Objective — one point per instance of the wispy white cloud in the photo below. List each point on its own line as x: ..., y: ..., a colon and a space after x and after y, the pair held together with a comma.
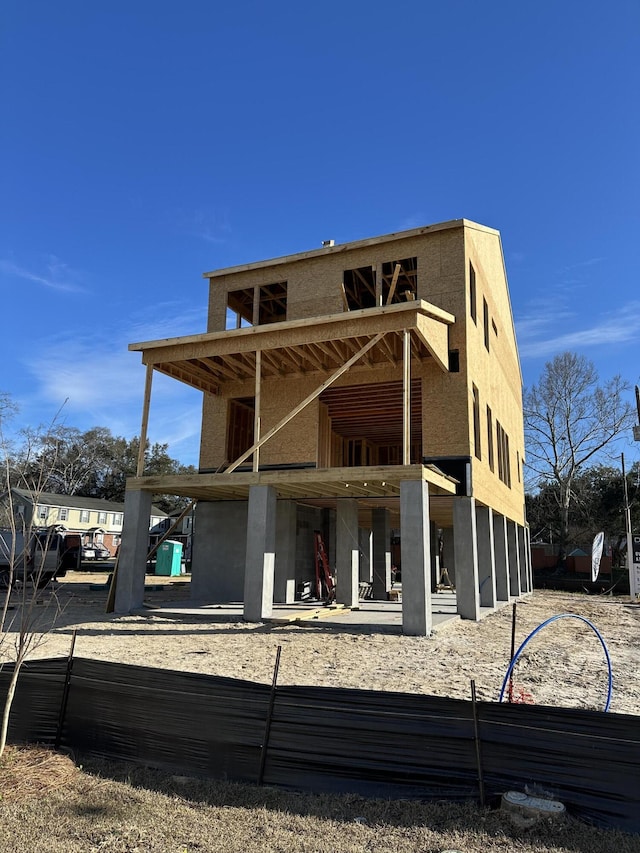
x: 590, y: 262
x: 103, y: 383
x: 207, y: 223
x: 56, y: 275
x: 613, y: 328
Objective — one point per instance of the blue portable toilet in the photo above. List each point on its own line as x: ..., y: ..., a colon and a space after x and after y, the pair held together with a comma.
x: 169, y: 558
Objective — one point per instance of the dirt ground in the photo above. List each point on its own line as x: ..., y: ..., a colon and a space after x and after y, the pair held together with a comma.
x: 564, y: 664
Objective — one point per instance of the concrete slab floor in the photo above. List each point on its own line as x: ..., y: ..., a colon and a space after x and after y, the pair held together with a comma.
x: 377, y: 616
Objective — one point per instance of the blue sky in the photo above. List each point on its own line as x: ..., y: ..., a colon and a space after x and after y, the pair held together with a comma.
x: 143, y: 143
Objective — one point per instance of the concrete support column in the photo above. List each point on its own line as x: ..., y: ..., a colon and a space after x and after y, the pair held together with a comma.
x: 501, y: 552
x: 365, y: 538
x: 347, y: 552
x: 466, y: 548
x: 260, y: 560
x: 486, y: 556
x: 284, y: 585
x: 381, y: 524
x: 527, y: 534
x: 134, y: 547
x: 416, y: 558
x: 514, y: 558
x: 522, y: 557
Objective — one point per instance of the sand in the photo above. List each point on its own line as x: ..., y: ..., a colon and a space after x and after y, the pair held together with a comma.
x: 563, y: 665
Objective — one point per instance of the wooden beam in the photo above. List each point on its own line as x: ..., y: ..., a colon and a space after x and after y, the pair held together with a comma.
x: 406, y: 398
x: 345, y: 301
x: 394, y: 282
x: 256, y: 417
x: 313, y: 396
x: 145, y: 420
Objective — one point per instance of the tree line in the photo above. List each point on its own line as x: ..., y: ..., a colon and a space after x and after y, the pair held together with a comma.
x: 574, y: 426
x: 93, y: 463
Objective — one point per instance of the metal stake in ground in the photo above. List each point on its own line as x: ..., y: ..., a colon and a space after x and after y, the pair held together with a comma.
x: 267, y: 728
x: 513, y: 647
x: 65, y: 691
x: 476, y: 734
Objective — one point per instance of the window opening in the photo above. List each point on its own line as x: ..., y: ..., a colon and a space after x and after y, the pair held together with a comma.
x: 240, y: 426
x: 485, y: 317
x: 472, y: 292
x: 492, y: 460
x: 239, y: 308
x: 271, y: 307
x: 406, y: 286
x: 476, y: 423
x: 504, y: 462
x: 359, y: 288
x: 272, y: 303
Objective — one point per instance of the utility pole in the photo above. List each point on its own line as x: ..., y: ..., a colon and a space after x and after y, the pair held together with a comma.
x: 627, y: 522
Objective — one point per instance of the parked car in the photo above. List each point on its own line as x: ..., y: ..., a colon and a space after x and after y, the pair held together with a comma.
x: 41, y: 557
x: 95, y: 551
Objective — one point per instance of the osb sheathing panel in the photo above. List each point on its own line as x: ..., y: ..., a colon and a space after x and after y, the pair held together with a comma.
x: 313, y: 284
x: 445, y: 425
x: 496, y: 374
x: 213, y: 437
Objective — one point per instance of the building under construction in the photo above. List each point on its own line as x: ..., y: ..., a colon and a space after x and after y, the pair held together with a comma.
x: 355, y: 390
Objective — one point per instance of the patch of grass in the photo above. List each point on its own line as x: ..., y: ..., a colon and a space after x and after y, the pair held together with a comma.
x: 126, y: 809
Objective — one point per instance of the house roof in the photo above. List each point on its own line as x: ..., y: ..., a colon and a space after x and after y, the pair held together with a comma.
x: 356, y: 244
x: 76, y: 502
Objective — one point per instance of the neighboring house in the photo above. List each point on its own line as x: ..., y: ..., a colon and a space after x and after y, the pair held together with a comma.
x: 353, y: 390
x: 96, y: 520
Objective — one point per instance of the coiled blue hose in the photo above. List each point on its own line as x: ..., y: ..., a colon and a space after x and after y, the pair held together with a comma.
x: 539, y: 628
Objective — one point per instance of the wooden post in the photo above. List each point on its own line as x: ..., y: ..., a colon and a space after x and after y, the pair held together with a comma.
x: 256, y: 415
x: 406, y: 398
x: 145, y: 420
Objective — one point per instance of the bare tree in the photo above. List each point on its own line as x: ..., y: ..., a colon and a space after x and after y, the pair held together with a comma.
x: 25, y: 558
x: 570, y: 419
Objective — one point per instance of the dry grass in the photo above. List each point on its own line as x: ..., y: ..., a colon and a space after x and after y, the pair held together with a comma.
x: 34, y: 771
x: 119, y: 808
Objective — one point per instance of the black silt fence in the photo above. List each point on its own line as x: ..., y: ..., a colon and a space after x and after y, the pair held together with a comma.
x: 331, y: 739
